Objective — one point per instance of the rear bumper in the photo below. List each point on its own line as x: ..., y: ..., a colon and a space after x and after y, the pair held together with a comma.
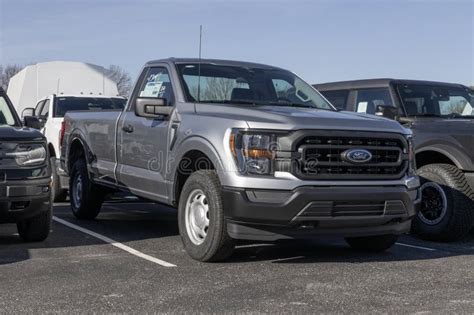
x: 23, y: 199
x: 309, y: 211
x: 63, y: 177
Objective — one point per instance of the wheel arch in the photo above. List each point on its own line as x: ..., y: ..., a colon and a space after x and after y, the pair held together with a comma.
x: 444, y: 155
x: 198, y: 154
x: 77, y: 148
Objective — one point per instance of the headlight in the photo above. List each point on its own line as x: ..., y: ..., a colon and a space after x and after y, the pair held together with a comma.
x: 29, y: 154
x: 254, y: 152
x: 411, y: 155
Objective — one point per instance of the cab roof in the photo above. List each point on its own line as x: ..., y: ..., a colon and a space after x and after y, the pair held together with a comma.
x: 213, y: 61
x: 375, y: 83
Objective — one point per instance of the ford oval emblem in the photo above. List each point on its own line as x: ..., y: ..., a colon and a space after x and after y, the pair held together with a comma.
x: 357, y: 156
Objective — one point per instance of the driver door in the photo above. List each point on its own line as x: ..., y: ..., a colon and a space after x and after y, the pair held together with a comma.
x: 144, y: 142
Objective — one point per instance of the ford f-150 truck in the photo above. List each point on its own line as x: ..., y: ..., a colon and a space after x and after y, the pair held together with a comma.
x: 25, y: 175
x: 245, y: 152
x: 441, y: 116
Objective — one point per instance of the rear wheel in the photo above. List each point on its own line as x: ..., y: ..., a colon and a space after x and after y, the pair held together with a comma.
x: 378, y: 243
x: 447, y: 209
x: 36, y: 229
x: 201, y: 218
x: 59, y: 194
x: 86, y: 197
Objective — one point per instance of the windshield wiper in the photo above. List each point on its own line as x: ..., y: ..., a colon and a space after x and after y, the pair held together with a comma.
x: 457, y: 115
x: 426, y: 115
x: 239, y: 102
x: 292, y: 105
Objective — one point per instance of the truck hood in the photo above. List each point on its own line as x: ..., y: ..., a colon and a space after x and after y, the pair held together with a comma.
x: 9, y: 133
x: 293, y: 118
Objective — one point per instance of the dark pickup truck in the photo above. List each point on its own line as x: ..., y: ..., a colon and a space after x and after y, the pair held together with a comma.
x: 25, y: 175
x: 442, y: 119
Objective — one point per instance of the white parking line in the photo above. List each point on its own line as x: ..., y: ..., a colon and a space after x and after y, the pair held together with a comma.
x: 114, y: 243
x: 417, y: 247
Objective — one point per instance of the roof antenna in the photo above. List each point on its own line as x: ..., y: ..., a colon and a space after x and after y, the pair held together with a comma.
x: 199, y: 64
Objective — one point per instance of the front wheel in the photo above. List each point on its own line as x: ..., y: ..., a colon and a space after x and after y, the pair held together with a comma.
x: 36, y: 229
x: 86, y: 197
x: 447, y: 210
x: 377, y: 243
x: 201, y: 218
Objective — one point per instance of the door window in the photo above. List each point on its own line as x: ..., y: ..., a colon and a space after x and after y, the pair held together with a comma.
x: 38, y: 108
x: 369, y: 99
x: 157, y: 84
x: 45, y: 110
x: 337, y: 98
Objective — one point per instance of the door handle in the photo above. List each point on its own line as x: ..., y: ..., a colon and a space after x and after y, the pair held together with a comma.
x: 128, y: 128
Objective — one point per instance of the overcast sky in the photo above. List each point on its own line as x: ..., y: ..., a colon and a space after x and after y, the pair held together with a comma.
x: 321, y: 40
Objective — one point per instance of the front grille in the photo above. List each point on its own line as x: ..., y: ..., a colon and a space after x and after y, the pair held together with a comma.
x: 322, y: 158
x: 318, y: 210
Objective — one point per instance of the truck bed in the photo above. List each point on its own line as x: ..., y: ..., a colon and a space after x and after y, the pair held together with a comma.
x: 98, y: 130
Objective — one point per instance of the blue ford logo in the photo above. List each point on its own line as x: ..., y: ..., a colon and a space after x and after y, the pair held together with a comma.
x: 357, y: 156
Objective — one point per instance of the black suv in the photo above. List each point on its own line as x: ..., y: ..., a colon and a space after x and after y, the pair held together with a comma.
x: 441, y: 116
x: 25, y: 175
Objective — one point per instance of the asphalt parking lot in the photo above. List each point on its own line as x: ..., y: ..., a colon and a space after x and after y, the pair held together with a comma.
x: 147, y: 270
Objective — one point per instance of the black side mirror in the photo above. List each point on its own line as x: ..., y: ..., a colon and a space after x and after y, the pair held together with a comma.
x: 33, y: 122
x: 386, y: 111
x: 29, y: 111
x: 151, y: 107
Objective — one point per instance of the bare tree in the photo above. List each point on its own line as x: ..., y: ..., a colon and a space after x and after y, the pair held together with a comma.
x: 122, y: 78
x: 218, y: 89
x: 7, y: 72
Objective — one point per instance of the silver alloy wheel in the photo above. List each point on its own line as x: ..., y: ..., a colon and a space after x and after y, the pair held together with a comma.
x: 77, y: 191
x: 197, y: 216
x: 434, y: 203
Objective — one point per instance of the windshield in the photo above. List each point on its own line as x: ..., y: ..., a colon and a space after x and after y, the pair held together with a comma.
x: 437, y: 100
x: 254, y: 86
x: 6, y: 115
x: 66, y: 104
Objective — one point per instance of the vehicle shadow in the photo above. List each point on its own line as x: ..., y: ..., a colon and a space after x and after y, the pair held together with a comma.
x: 121, y: 222
x: 333, y: 250
x: 131, y: 222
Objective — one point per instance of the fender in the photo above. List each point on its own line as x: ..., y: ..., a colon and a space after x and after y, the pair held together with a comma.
x: 459, y: 158
x: 77, y: 135
x: 193, y: 143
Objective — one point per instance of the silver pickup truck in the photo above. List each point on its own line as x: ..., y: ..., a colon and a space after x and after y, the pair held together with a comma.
x: 245, y: 152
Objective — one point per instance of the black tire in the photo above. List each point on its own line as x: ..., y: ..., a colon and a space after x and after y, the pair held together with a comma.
x: 446, y: 184
x: 86, y: 197
x: 377, y: 243
x: 36, y: 229
x: 59, y: 194
x: 216, y: 245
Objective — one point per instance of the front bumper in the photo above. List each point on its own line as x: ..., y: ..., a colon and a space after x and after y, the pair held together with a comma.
x: 23, y: 199
x: 308, y: 211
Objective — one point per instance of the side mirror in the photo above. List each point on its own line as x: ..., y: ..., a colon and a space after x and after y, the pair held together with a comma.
x: 151, y: 107
x: 29, y: 111
x: 33, y: 122
x: 386, y: 111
